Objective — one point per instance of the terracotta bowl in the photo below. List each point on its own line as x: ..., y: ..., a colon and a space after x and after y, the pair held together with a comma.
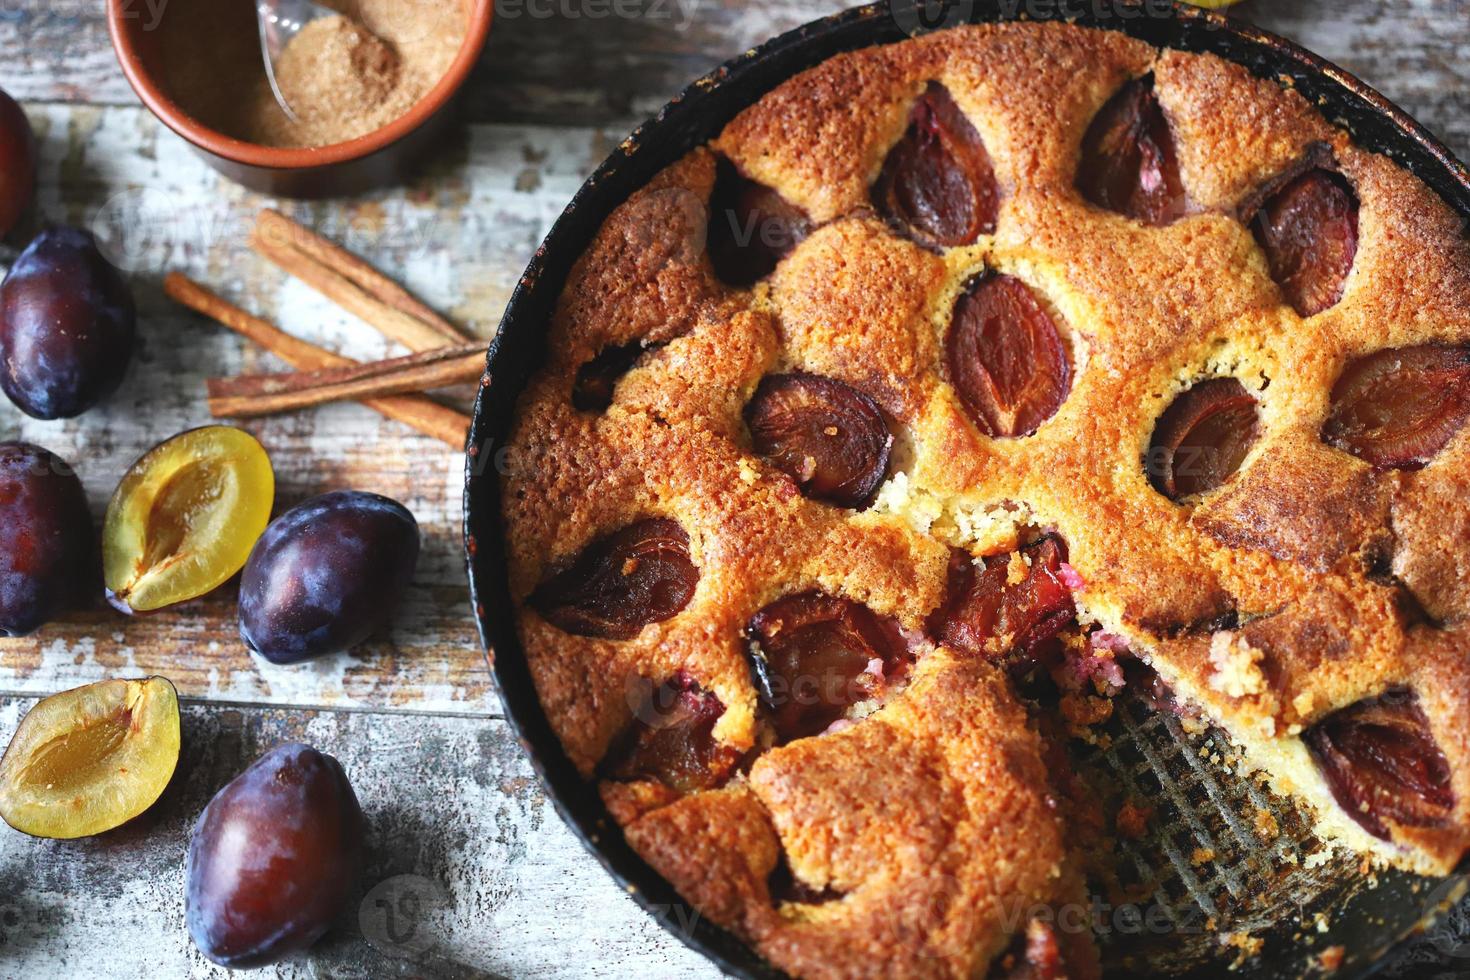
x: 384, y: 156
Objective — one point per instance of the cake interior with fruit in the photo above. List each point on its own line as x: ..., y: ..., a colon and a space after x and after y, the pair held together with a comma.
x: 1009, y: 358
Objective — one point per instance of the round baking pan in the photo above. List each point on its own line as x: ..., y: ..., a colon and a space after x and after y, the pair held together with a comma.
x: 1252, y: 878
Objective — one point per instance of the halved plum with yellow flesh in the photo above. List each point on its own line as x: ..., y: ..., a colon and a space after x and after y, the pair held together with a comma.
x: 751, y: 227
x: 1309, y: 232
x: 814, y: 655
x: 1397, y: 408
x: 88, y: 760
x: 621, y: 582
x: 1202, y: 438
x: 671, y: 740
x: 185, y: 517
x: 596, y: 380
x: 1006, y: 358
x: 826, y: 435
x: 1382, y: 763
x: 1004, y: 604
x: 937, y: 182
x: 1129, y: 163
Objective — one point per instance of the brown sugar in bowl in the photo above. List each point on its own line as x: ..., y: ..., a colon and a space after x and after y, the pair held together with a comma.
x: 382, y: 157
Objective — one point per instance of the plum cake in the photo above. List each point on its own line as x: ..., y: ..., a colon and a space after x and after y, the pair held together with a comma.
x: 1009, y: 351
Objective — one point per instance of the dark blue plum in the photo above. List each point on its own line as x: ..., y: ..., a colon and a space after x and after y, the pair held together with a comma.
x: 47, y: 544
x: 326, y: 575
x: 67, y: 326
x: 274, y: 858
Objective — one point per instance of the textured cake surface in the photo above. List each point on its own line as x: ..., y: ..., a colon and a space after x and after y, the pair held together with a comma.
x: 1311, y: 580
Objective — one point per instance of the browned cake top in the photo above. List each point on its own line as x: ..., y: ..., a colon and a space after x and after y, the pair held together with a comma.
x: 1285, y: 585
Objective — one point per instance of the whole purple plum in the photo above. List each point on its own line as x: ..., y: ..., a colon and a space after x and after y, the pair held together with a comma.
x: 274, y: 858
x: 17, y: 163
x: 47, y: 544
x: 67, y: 326
x: 326, y: 575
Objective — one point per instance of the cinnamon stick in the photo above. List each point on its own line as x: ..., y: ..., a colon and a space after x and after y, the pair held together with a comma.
x: 351, y: 283
x: 251, y: 396
x: 423, y: 414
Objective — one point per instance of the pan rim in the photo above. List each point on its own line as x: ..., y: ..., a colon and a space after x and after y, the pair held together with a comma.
x: 1385, y: 129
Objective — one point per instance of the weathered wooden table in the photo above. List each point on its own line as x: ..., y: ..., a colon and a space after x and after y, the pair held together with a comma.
x: 470, y: 872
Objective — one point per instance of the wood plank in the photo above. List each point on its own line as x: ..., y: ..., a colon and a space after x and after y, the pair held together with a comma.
x: 457, y: 821
x: 1416, y: 52
x: 524, y: 899
x: 565, y: 62
x: 459, y: 239
x: 570, y: 62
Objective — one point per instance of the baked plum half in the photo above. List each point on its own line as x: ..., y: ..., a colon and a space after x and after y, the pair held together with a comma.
x: 1202, y: 438
x: 937, y: 182
x: 1007, y: 604
x: 1397, y: 408
x: 1309, y: 232
x: 751, y: 227
x: 825, y: 434
x: 592, y: 391
x: 671, y: 740
x: 621, y: 582
x: 1129, y: 164
x: 1382, y: 763
x: 1006, y: 357
x: 814, y: 655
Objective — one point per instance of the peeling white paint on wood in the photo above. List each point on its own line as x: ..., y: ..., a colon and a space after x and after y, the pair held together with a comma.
x: 451, y: 800
x: 459, y: 238
x: 457, y: 824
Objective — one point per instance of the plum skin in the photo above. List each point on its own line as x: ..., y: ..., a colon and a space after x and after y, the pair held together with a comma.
x: 326, y: 575
x: 273, y: 859
x: 47, y: 544
x: 17, y: 163
x: 67, y: 326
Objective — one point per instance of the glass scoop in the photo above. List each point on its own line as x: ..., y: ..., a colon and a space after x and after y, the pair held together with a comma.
x: 280, y: 21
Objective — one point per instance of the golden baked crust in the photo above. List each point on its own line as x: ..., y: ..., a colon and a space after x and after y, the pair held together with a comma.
x: 932, y: 820
x: 1307, y: 583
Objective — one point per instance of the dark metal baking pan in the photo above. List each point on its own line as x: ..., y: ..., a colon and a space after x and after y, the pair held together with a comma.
x: 1248, y: 880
